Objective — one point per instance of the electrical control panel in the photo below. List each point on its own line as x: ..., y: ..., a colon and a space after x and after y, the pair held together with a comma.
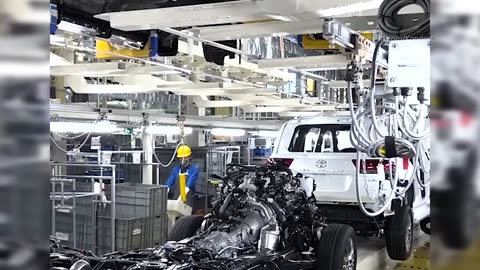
x: 409, y: 64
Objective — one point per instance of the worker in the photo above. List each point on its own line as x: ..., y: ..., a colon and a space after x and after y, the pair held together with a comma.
x: 184, y: 156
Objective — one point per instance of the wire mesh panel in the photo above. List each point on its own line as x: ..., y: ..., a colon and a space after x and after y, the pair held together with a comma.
x: 217, y: 159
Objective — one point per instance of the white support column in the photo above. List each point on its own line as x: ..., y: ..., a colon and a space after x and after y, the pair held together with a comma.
x: 147, y: 175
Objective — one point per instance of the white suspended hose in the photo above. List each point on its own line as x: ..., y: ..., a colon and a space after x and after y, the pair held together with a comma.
x: 72, y: 138
x: 359, y: 198
x: 403, y: 125
x: 426, y: 184
x: 410, y: 180
x: 158, y: 160
x: 75, y: 148
x: 356, y: 125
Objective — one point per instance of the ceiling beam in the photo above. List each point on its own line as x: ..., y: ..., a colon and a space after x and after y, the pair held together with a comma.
x: 278, y: 109
x: 263, y: 29
x: 326, y: 62
x: 72, y: 112
x: 262, y: 102
x: 89, y: 69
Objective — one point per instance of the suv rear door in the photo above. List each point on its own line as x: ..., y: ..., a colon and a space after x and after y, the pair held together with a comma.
x: 324, y: 152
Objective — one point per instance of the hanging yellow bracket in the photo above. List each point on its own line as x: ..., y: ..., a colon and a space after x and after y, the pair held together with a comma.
x: 106, y: 51
x: 321, y: 44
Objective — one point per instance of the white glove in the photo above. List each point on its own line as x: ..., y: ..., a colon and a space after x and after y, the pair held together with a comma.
x: 186, y: 192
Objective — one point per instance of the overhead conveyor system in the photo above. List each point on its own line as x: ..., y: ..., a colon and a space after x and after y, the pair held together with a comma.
x: 189, y: 74
x: 244, y: 85
x: 286, y: 28
x: 62, y: 111
x: 232, y: 12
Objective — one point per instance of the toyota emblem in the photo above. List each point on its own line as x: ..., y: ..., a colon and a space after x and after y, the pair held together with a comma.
x: 321, y: 163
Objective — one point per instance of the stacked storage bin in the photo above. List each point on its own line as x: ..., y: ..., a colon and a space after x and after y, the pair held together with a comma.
x: 141, y: 219
x: 150, y: 201
x: 130, y: 233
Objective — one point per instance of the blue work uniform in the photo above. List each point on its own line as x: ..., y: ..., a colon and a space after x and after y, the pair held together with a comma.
x: 191, y: 178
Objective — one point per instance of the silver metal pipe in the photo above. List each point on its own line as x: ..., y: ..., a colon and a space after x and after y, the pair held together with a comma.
x: 62, y: 194
x: 248, y: 149
x: 69, y: 195
x: 74, y: 213
x: 81, y: 165
x: 206, y: 180
x: 62, y: 180
x: 53, y: 210
x: 99, y: 157
x: 94, y: 222
x: 84, y: 176
x: 124, y: 152
x: 179, y: 105
x: 113, y: 184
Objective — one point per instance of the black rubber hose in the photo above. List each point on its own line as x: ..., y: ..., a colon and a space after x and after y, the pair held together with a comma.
x: 284, y: 168
x: 278, y: 212
x: 389, y: 24
x: 223, y: 210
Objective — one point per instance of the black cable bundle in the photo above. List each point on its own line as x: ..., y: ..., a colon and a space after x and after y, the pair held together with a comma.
x: 389, y: 25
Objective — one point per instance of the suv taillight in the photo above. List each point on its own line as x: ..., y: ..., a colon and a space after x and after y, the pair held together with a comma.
x: 286, y: 161
x: 466, y: 119
x: 369, y: 166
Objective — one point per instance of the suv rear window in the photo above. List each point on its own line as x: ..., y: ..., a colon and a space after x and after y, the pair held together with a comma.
x: 321, y: 139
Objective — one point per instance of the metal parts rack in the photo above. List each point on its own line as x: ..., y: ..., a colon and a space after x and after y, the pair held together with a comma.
x: 58, y: 177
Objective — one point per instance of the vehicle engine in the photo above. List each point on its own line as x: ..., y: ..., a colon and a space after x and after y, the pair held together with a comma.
x: 261, y: 215
x: 257, y: 208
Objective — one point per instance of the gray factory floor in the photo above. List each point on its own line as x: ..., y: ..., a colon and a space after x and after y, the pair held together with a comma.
x: 372, y: 253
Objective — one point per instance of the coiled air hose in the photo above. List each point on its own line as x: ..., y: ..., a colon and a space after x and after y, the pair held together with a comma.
x: 389, y: 24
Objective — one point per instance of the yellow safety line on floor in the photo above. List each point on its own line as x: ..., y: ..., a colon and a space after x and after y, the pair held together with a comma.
x: 419, y: 261
x: 468, y: 260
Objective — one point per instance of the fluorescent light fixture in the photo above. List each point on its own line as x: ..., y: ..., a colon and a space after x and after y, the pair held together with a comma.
x: 167, y: 130
x: 81, y: 127
x: 56, y: 38
x: 266, y: 133
x: 227, y: 132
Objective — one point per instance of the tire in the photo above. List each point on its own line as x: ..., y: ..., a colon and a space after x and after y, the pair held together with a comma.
x: 425, y: 225
x: 337, y: 248
x: 457, y: 218
x: 410, y: 196
x: 399, y: 234
x: 185, y: 227
x: 81, y: 265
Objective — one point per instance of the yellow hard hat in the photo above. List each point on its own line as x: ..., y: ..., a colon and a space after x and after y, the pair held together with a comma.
x: 184, y: 151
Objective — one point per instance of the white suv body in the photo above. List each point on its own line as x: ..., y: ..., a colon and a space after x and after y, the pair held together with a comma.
x: 333, y: 167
